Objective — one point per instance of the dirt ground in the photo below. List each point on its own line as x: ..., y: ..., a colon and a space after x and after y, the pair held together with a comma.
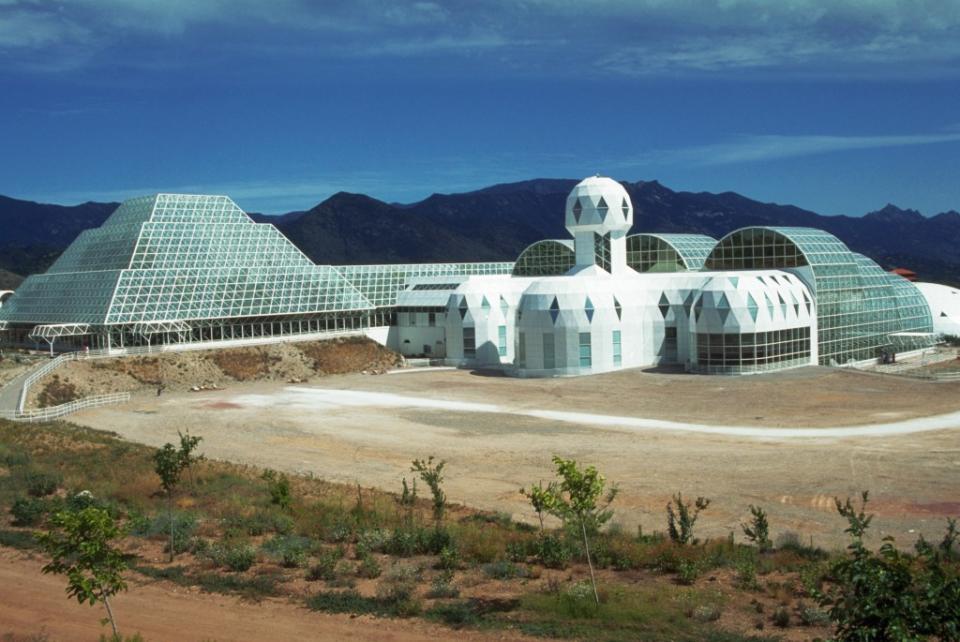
x: 181, y: 371
x: 492, y: 450
x: 32, y: 604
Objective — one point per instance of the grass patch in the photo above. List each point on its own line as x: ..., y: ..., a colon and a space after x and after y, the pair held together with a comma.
x: 22, y: 540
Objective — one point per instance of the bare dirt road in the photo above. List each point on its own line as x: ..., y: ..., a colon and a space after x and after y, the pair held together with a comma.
x: 32, y: 604
x: 499, y: 434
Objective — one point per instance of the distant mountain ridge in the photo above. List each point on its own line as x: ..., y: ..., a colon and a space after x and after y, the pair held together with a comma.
x: 497, y: 222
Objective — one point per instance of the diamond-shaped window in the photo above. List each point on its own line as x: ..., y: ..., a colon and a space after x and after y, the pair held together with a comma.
x: 602, y: 209
x: 463, y: 308
x: 554, y: 310
x: 723, y: 308
x: 698, y: 308
x: 504, y: 307
x: 688, y: 302
x: 618, y: 308
x: 577, y: 210
x: 734, y: 280
x: 664, y: 305
x: 588, y: 308
x: 625, y: 207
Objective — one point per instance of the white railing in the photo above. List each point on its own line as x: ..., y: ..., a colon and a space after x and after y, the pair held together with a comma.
x: 39, y: 373
x: 54, y: 412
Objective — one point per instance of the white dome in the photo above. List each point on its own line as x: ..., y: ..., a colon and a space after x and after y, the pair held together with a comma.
x: 598, y: 204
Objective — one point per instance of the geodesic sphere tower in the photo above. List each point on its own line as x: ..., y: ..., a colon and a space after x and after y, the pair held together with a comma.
x: 598, y: 216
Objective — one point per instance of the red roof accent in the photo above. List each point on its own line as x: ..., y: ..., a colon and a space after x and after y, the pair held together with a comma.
x: 909, y: 275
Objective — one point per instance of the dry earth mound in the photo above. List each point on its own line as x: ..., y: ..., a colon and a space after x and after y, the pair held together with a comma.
x: 179, y: 371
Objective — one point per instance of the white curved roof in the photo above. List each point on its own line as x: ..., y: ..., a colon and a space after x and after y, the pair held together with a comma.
x: 598, y: 204
x: 944, y: 302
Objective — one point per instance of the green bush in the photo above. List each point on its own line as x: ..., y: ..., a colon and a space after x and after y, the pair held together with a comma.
x: 680, y: 520
x: 453, y: 614
x: 290, y: 550
x: 688, y: 571
x: 369, y: 568
x: 41, y: 483
x: 326, y: 566
x: 442, y: 587
x: 29, y: 511
x: 260, y: 523
x: 781, y: 617
x: 449, y: 558
x: 554, y: 552
x: 889, y: 594
x: 184, y: 526
x: 240, y: 558
x: 346, y: 602
x: 504, y: 570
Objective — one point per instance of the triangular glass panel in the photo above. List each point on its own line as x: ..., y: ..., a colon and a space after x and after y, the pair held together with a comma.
x: 796, y: 309
x: 504, y: 307
x: 664, y: 305
x: 625, y: 207
x: 602, y: 209
x: 734, y: 280
x: 723, y: 307
x: 554, y: 310
x: 943, y: 314
x: 485, y: 304
x: 752, y: 307
x: 577, y: 210
x: 588, y: 308
x: 618, y: 308
x: 774, y: 279
x: 770, y: 307
x: 698, y: 308
x: 463, y: 308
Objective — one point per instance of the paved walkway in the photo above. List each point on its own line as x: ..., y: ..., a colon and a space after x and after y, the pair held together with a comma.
x: 321, y: 399
x: 10, y: 393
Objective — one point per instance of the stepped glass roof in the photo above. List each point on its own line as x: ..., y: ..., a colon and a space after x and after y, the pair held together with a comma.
x: 861, y: 309
x: 381, y: 284
x: 174, y: 257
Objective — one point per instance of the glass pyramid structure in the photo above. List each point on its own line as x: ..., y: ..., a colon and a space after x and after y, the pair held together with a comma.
x: 171, y: 258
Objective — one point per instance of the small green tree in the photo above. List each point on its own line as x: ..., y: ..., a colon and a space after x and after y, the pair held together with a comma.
x: 168, y: 466
x: 579, y: 499
x: 80, y: 547
x: 432, y: 476
x: 758, y: 530
x: 680, y: 521
x: 539, y: 497
x: 189, y: 443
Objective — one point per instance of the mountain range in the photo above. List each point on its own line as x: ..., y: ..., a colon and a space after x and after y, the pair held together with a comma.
x: 496, y: 223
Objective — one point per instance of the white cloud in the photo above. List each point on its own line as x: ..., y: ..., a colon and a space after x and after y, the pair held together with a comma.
x: 746, y: 149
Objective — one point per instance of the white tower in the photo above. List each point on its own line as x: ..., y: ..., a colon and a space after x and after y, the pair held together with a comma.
x: 599, y: 215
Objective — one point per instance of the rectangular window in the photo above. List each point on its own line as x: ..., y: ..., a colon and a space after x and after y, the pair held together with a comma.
x: 469, y: 343
x: 502, y: 340
x: 617, y: 357
x: 549, y: 357
x: 431, y: 319
x: 521, y: 350
x: 586, y: 356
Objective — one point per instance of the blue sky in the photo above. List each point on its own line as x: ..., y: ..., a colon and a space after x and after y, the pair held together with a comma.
x: 837, y: 106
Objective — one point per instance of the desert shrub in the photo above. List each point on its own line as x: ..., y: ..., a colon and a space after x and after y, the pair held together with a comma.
x: 688, y: 571
x: 290, y: 550
x: 781, y: 617
x: 790, y: 541
x: 29, y: 511
x: 747, y: 574
x: 325, y: 567
x: 369, y: 567
x: 183, y: 528
x: 278, y: 485
x: 578, y: 601
x: 706, y: 613
x: 812, y: 616
x: 240, y: 558
x: 11, y: 456
x: 442, y: 586
x: 346, y: 602
x: 40, y: 483
x: 398, y: 588
x: 370, y: 541
x: 503, y: 570
x: 260, y: 523
x: 453, y: 614
x: 680, y: 520
x: 432, y: 475
x: 554, y: 552
x: 449, y: 558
